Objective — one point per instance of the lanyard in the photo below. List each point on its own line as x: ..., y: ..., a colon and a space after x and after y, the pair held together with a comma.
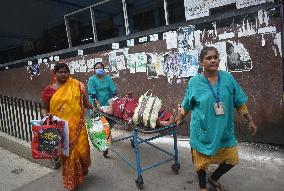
x: 216, y: 96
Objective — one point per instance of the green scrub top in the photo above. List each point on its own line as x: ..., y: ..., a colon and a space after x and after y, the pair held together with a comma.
x: 101, y: 88
x: 210, y: 132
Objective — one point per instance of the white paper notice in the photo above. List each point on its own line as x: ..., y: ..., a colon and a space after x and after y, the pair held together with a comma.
x: 143, y: 39
x: 131, y: 63
x: 115, y: 46
x: 51, y: 58
x: 195, y: 9
x: 72, y: 67
x: 80, y: 52
x: 154, y: 37
x: 52, y: 66
x: 98, y: 60
x: 82, y: 65
x: 171, y: 39
x: 76, y: 66
x: 141, y: 61
x: 39, y: 61
x: 120, y: 62
x: 246, y: 3
x: 130, y: 42
x: 90, y: 65
x: 56, y: 58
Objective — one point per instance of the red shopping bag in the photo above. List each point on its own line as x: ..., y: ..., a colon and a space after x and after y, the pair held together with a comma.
x: 47, y: 142
x: 123, y: 108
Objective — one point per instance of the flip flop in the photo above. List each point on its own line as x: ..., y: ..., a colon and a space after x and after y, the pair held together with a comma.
x: 215, y: 184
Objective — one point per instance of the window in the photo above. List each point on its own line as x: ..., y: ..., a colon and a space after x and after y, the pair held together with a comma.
x: 80, y: 26
x: 146, y: 14
x: 175, y: 11
x: 109, y: 19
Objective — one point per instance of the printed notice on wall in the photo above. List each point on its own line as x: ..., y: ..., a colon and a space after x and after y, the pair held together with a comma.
x: 141, y: 61
x: 143, y: 39
x: 246, y: 3
x: 82, y: 65
x: 130, y: 42
x: 39, y: 61
x: 90, y: 65
x: 120, y: 62
x: 98, y: 60
x: 56, y: 58
x: 131, y: 63
x: 51, y: 58
x: 171, y: 39
x: 195, y: 9
x: 154, y: 37
x: 80, y: 52
x: 115, y: 46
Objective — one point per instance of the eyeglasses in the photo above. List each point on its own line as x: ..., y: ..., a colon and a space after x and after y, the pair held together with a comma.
x: 216, y: 57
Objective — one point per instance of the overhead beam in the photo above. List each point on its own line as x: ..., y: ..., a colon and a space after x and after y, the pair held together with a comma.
x: 67, y: 3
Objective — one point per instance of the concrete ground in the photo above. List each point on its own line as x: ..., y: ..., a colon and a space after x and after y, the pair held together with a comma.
x: 261, y: 169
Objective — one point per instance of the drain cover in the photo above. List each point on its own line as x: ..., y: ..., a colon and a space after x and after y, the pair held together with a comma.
x: 17, y: 170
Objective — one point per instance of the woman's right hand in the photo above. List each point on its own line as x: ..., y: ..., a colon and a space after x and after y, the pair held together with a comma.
x: 180, y: 115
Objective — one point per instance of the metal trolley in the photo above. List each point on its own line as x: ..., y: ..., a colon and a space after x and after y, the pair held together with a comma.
x: 135, y: 141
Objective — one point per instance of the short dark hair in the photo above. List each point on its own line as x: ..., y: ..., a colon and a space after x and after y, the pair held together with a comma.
x: 60, y: 65
x: 205, y: 50
x: 100, y: 64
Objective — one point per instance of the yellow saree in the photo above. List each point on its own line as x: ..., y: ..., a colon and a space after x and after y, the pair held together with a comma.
x: 66, y: 103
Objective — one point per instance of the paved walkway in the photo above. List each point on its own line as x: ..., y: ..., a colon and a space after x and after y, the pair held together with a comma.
x: 261, y: 169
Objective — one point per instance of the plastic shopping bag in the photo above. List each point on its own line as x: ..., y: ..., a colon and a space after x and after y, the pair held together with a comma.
x: 99, y: 132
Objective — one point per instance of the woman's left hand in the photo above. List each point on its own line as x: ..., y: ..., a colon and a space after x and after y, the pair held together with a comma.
x: 252, y: 127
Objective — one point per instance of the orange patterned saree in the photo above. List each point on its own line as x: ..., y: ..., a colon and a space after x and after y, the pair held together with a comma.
x: 66, y: 103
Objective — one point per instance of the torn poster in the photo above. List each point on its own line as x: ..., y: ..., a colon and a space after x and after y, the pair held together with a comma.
x: 120, y: 62
x: 188, y: 65
x: 171, y: 39
x: 151, y: 70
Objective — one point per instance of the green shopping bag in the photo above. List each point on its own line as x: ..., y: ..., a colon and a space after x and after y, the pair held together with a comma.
x: 96, y: 128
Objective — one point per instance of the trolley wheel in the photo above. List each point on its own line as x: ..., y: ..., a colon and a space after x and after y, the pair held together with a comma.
x: 139, y: 182
x: 105, y: 153
x: 175, y: 168
x: 132, y: 143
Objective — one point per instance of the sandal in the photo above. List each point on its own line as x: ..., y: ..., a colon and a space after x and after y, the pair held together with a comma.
x: 215, y: 184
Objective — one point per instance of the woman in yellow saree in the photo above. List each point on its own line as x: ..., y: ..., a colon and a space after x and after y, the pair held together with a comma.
x: 66, y: 99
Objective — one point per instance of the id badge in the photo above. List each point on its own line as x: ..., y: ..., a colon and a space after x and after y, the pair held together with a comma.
x: 219, y: 108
